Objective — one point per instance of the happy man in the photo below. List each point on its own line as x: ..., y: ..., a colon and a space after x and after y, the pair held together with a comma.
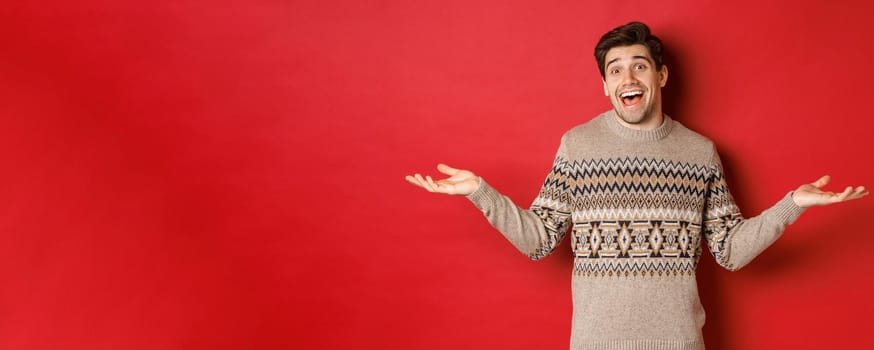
x: 639, y: 193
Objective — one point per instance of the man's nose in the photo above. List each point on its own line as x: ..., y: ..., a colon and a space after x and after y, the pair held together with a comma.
x: 628, y: 76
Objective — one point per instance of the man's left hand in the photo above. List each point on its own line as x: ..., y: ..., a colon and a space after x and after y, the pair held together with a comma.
x: 809, y: 195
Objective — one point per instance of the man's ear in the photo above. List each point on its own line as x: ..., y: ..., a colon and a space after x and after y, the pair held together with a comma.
x: 606, y: 92
x: 663, y: 76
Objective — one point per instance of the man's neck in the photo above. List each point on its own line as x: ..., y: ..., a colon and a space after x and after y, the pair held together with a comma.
x: 652, y: 122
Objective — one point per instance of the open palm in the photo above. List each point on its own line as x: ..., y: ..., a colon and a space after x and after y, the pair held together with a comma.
x: 459, y: 182
x: 811, y: 194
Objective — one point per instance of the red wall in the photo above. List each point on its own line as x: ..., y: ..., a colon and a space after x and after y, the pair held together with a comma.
x: 229, y: 174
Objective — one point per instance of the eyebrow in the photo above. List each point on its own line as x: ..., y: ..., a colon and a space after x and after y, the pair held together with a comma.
x: 632, y: 57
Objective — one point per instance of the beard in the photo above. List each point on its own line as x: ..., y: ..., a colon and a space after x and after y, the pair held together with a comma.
x: 643, y: 111
x: 635, y: 117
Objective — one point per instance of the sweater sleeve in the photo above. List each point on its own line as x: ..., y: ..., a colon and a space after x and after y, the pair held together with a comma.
x: 536, y: 231
x: 733, y: 240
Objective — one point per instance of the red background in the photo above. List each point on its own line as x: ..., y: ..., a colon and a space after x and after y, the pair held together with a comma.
x: 229, y: 174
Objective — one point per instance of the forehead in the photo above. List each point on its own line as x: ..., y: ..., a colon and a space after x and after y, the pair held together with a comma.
x: 624, y: 53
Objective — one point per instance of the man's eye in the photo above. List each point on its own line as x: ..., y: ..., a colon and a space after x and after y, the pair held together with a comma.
x: 614, y: 71
x: 639, y: 67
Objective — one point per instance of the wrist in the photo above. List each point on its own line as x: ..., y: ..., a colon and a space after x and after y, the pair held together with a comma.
x: 794, y: 200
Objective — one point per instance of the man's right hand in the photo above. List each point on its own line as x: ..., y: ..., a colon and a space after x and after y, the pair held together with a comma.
x: 459, y: 182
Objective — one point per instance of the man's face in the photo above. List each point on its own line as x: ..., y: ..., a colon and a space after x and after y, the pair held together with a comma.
x: 633, y: 84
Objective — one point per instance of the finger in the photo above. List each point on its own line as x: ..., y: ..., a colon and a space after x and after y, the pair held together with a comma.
x: 459, y: 177
x: 424, y: 183
x: 821, y: 181
x: 433, y: 185
x: 843, y: 195
x: 413, y: 181
x: 859, y: 192
x: 448, y: 170
x: 855, y: 196
x: 416, y: 182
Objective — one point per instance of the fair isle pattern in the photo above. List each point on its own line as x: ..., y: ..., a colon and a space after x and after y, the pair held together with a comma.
x: 636, y: 216
x: 636, y: 248
x: 722, y: 215
x: 556, y: 223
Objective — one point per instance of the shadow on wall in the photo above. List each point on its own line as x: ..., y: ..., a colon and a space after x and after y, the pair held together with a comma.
x: 673, y: 94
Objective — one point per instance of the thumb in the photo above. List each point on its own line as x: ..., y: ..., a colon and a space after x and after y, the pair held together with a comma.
x: 821, y: 182
x: 448, y: 170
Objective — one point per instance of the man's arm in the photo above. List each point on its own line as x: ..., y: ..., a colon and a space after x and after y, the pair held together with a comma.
x: 734, y: 241
x: 535, y: 232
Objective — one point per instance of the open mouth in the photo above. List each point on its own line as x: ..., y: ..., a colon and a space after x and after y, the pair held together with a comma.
x: 631, y: 98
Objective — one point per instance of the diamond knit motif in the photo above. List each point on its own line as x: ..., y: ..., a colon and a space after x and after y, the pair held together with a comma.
x: 636, y: 216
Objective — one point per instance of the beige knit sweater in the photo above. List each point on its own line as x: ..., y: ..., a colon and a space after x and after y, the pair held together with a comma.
x: 638, y: 205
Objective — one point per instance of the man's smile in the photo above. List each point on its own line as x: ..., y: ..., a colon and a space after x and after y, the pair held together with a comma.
x: 631, y: 97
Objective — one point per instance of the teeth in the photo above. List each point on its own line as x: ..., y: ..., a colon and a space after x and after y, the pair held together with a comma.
x: 631, y: 93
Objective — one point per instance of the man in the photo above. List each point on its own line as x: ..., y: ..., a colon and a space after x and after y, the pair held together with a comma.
x: 640, y: 193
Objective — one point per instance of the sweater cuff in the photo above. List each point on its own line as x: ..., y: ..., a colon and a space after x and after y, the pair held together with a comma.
x: 485, y: 196
x: 786, y: 211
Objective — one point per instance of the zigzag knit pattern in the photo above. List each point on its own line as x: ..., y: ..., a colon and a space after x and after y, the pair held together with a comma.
x: 636, y: 216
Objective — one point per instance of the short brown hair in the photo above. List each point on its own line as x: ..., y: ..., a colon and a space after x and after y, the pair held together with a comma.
x: 629, y: 34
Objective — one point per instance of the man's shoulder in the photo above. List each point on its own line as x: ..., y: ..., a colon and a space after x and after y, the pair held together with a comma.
x: 685, y: 134
x: 692, y: 144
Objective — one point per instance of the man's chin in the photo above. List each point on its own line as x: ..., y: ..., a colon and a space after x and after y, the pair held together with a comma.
x: 632, y: 119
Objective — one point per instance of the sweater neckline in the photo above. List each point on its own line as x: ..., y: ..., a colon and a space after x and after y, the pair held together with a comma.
x: 638, y: 135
